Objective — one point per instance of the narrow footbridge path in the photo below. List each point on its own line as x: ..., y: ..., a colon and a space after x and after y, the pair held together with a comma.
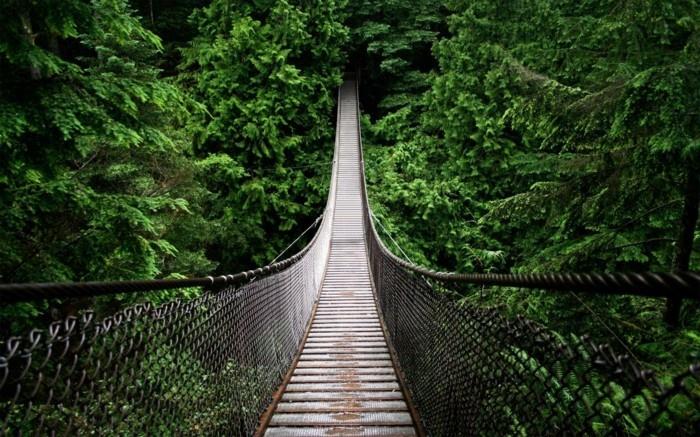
x: 344, y: 382
x: 343, y: 338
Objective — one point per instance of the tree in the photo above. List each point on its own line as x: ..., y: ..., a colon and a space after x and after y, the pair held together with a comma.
x: 94, y: 170
x: 555, y: 136
x: 267, y: 73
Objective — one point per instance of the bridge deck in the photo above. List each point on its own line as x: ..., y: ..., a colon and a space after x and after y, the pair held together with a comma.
x: 344, y: 383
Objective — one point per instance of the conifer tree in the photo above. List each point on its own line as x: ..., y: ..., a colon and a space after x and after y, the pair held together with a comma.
x: 94, y: 171
x: 267, y: 73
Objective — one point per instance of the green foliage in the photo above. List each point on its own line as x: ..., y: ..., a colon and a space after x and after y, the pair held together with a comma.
x: 174, y: 378
x: 97, y: 179
x: 112, y: 169
x: 554, y: 136
x: 266, y: 72
x: 92, y: 174
x: 391, y: 43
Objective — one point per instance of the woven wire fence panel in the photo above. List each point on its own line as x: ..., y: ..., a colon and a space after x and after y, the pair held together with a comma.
x: 206, y: 366
x: 471, y: 371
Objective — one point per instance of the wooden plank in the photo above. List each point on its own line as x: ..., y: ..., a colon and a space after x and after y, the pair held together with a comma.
x: 348, y: 309
x: 347, y: 405
x: 346, y: 363
x: 347, y: 302
x: 344, y: 377
x: 339, y: 337
x: 317, y: 331
x: 346, y: 323
x: 341, y: 431
x: 354, y: 304
x: 344, y: 357
x: 343, y: 418
x: 345, y: 350
x: 341, y: 395
x: 347, y: 343
x: 343, y: 386
x: 347, y: 316
x: 346, y: 319
x: 344, y: 371
x: 347, y: 330
x: 344, y: 326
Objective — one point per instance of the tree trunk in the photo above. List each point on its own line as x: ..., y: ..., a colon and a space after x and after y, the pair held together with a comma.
x: 684, y: 244
x: 30, y: 37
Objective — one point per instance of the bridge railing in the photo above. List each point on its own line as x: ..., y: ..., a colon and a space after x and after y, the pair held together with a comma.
x: 472, y: 371
x: 207, y: 365
x: 203, y: 366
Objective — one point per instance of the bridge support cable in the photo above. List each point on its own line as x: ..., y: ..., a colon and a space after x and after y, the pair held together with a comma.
x: 472, y: 371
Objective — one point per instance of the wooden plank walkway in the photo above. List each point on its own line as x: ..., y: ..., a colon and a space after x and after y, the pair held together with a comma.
x: 344, y: 383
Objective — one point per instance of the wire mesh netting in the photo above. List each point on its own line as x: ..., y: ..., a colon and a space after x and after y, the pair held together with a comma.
x: 471, y: 371
x: 204, y: 366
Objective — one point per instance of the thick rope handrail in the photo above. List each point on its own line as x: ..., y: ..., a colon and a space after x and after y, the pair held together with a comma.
x: 13, y: 293
x: 684, y: 285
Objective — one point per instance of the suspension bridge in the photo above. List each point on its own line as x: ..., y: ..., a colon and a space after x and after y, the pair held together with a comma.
x: 343, y: 338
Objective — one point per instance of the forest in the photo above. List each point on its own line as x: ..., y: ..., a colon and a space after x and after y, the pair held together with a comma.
x: 145, y: 139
